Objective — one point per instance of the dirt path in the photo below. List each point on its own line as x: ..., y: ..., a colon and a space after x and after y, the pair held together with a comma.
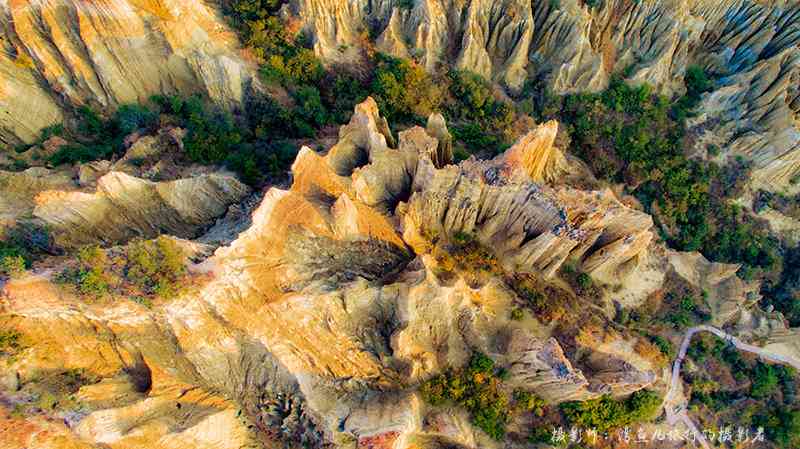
x: 675, y: 402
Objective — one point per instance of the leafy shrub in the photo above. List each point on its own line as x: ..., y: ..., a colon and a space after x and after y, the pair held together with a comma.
x: 299, y: 66
x: 463, y: 253
x: 540, y: 435
x: 132, y: 117
x: 91, y: 124
x: 697, y: 82
x: 11, y: 250
x: 254, y: 149
x: 545, y: 301
x: 663, y: 345
x: 12, y: 266
x: 10, y: 341
x: 344, y: 90
x: 699, y: 349
x: 51, y: 131
x: 462, y: 238
x: 765, y: 381
x: 787, y: 205
x: 529, y: 402
x: 482, y: 123
x: 156, y: 266
x: 738, y: 238
x: 242, y: 11
x: 685, y: 311
x: 268, y: 119
x: 246, y: 166
x: 264, y: 35
x: 94, y: 277
x: 28, y: 241
x: 309, y: 106
x: 478, y: 389
x: 785, y: 294
x: 476, y: 139
x: 79, y: 153
x: 403, y: 90
x: 605, y: 413
x: 781, y: 425
x: 584, y: 281
x: 473, y: 95
x: 100, y: 138
x: 211, y: 135
x: 148, y: 267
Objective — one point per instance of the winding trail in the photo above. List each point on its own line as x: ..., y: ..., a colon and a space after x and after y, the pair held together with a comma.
x: 675, y: 402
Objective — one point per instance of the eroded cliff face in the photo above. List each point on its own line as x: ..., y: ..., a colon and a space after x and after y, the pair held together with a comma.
x: 59, y: 54
x: 750, y: 47
x: 577, y: 47
x: 150, y: 190
x: 317, y: 324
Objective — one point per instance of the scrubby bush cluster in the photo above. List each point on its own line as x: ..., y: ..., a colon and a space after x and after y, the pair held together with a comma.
x: 764, y: 378
x: 155, y: 266
x: 97, y: 138
x: 10, y: 342
x: 404, y: 90
x: 606, y: 413
x: 781, y: 425
x: 663, y: 345
x: 477, y: 118
x: 145, y: 268
x: 479, y: 389
x: 93, y: 276
x: 12, y: 265
x: 254, y: 145
x: 784, y: 294
x: 545, y: 301
x: 763, y: 395
x: 463, y: 253
x: 686, y: 311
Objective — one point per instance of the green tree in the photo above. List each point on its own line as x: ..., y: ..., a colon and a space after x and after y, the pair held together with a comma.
x: 156, y: 266
x: 765, y: 381
x: 605, y: 413
x: 403, y: 90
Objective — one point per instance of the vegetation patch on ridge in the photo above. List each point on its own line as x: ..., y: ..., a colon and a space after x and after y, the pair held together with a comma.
x: 143, y: 269
x: 479, y: 389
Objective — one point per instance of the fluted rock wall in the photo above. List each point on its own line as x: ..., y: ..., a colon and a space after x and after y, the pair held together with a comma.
x: 319, y: 322
x: 103, y: 53
x: 750, y: 47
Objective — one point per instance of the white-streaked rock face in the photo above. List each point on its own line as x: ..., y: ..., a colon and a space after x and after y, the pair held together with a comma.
x: 110, y: 52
